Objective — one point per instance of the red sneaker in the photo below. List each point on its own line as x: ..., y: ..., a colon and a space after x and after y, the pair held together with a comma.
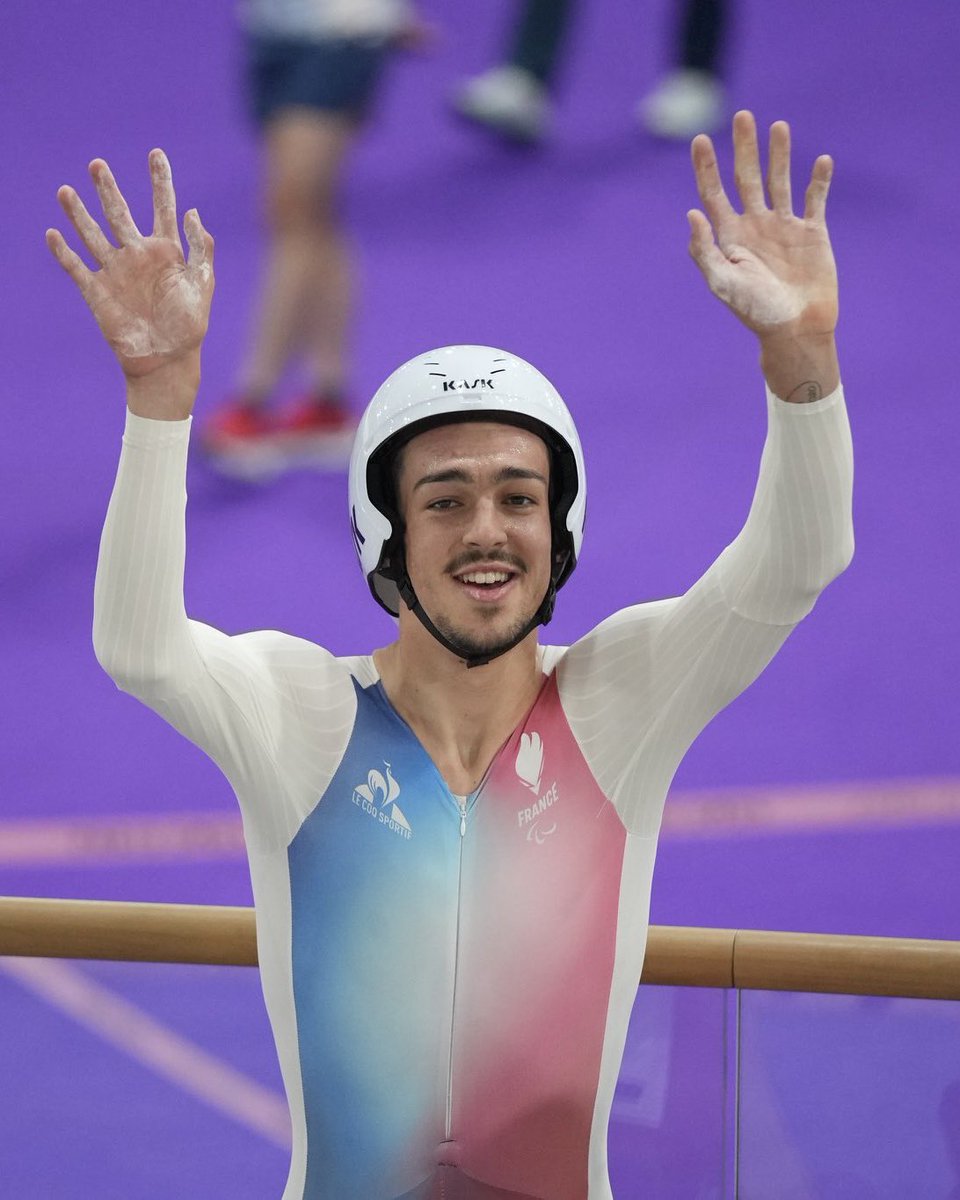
x: 241, y: 439
x: 315, y: 431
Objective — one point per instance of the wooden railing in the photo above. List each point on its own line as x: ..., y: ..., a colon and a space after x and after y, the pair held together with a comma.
x: 716, y: 958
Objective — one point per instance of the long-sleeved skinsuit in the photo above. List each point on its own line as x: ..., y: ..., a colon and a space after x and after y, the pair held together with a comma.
x: 450, y: 979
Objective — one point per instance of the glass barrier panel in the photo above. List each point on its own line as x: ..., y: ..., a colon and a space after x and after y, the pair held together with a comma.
x: 153, y: 1081
x: 671, y: 1128
x: 137, y: 1080
x: 848, y: 1098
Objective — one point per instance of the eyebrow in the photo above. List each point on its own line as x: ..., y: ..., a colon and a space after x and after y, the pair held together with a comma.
x: 458, y: 475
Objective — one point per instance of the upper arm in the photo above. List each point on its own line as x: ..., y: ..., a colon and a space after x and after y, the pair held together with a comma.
x: 275, y: 714
x: 641, y: 686
x: 607, y: 688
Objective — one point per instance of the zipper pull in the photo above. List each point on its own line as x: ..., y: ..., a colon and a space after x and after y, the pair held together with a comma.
x: 463, y: 818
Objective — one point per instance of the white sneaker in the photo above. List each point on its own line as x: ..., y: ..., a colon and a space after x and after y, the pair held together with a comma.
x: 685, y: 103
x: 507, y: 99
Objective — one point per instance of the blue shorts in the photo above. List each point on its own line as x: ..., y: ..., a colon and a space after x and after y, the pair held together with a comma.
x: 337, y: 75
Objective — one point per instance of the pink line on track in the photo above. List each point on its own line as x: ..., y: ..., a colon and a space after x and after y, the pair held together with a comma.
x: 897, y: 803
x: 727, y: 812
x: 129, y: 1029
x: 168, y: 838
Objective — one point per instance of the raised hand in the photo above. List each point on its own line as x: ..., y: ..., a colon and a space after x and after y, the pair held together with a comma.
x: 775, y: 270
x: 151, y: 304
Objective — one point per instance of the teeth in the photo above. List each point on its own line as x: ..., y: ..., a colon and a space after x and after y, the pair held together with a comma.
x: 485, y: 577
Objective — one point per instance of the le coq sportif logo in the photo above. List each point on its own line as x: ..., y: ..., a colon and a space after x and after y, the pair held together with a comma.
x: 378, y: 799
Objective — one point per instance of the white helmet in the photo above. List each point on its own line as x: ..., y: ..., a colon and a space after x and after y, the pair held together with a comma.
x: 459, y: 383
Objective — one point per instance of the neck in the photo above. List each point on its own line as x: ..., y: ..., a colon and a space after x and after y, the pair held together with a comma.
x: 461, y: 715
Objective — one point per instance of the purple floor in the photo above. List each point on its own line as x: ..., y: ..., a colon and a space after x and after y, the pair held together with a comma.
x: 575, y: 257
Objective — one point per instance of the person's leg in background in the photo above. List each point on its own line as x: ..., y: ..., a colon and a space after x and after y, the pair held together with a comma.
x: 691, y: 99
x: 538, y: 38
x: 310, y: 99
x: 513, y: 98
x: 306, y: 300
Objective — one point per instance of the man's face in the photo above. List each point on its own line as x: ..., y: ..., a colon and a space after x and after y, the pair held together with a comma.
x: 474, y: 498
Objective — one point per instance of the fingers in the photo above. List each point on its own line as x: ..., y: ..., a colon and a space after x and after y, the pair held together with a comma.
x: 778, y: 169
x: 746, y: 162
x: 90, y: 232
x: 703, y: 249
x: 200, y: 243
x: 709, y: 186
x: 164, y: 197
x: 746, y: 157
x: 815, y: 205
x: 114, y: 206
x: 71, y: 262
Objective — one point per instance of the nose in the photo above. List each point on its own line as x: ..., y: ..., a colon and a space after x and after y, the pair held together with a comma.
x: 487, y: 527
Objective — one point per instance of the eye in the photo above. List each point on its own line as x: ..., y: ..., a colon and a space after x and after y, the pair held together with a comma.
x: 441, y: 505
x: 519, y: 501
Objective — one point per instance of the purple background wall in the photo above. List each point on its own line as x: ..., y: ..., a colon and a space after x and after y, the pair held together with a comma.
x: 575, y: 257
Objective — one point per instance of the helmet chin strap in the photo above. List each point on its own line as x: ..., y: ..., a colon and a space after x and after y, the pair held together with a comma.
x: 540, y: 617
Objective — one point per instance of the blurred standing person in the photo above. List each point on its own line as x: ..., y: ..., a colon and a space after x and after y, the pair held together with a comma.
x: 513, y: 98
x: 313, y: 67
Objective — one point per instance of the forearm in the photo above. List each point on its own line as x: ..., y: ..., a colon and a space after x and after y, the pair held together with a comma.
x: 141, y: 632
x: 799, y: 533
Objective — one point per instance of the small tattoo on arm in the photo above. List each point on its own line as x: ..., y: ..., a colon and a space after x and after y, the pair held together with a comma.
x: 806, y: 393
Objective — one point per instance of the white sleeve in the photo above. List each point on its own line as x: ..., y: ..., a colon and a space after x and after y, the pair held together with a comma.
x: 274, y: 712
x: 639, y: 688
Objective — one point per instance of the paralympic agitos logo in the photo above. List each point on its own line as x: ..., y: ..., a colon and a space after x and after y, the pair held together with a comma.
x: 466, y: 385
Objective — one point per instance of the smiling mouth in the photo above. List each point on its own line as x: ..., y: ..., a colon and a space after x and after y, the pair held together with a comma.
x: 486, y: 586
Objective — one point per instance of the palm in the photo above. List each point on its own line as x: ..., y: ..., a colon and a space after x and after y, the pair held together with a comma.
x: 772, y: 268
x: 147, y: 304
x: 151, y: 304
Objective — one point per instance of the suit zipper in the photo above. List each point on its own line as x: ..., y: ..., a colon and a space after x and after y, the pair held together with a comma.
x: 456, y: 965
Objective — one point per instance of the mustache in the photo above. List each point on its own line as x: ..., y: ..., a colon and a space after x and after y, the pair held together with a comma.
x: 500, y: 558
